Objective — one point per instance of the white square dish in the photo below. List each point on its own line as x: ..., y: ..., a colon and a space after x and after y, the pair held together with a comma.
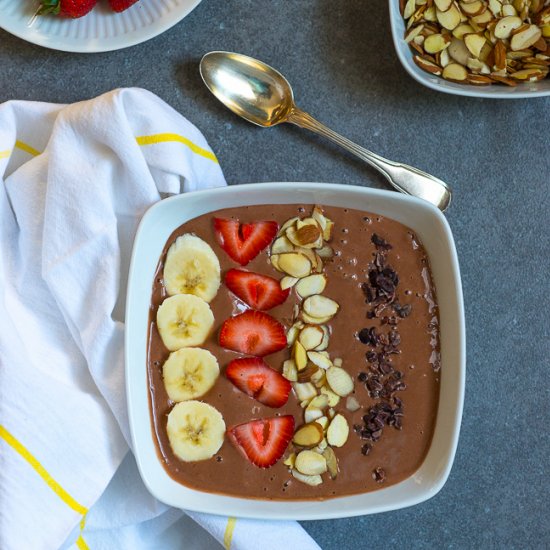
x: 521, y: 91
x: 434, y: 232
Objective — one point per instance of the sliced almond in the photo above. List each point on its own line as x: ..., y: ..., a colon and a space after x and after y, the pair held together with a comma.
x: 308, y: 480
x: 323, y: 422
x: 454, y: 71
x: 436, y: 42
x: 320, y: 306
x: 290, y: 372
x: 427, y: 65
x: 337, y: 362
x: 509, y: 11
x: 338, y: 431
x: 314, y: 284
x: 281, y: 245
x: 324, y: 342
x: 292, y: 333
x: 309, y: 235
x: 443, y: 5
x: 474, y: 43
x: 500, y: 55
x: 332, y: 462
x: 506, y: 25
x: 333, y: 399
x: 449, y: 19
x: 286, y: 225
x: 299, y: 355
x: 458, y: 51
x: 309, y: 435
x: 479, y: 80
x: 503, y: 80
x: 478, y: 66
x: 310, y: 463
x: 288, y: 282
x: 304, y: 391
x: 413, y: 33
x: 526, y: 38
x: 319, y: 403
x: 340, y: 381
x: 274, y: 261
x: 410, y: 8
x: 311, y: 336
x: 317, y: 358
x: 444, y: 58
x: 310, y: 415
x: 306, y: 374
x: 315, y: 320
x: 319, y: 378
x: 325, y: 252
x: 294, y: 264
x: 472, y: 8
x: 529, y: 74
x: 462, y: 29
x: 352, y: 404
x: 322, y: 446
x: 290, y: 460
x: 496, y: 7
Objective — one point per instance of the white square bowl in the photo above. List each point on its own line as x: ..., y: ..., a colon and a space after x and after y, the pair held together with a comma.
x: 521, y: 91
x: 433, y: 230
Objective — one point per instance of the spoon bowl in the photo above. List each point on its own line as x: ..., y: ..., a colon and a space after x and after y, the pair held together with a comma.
x: 251, y: 89
x: 260, y: 94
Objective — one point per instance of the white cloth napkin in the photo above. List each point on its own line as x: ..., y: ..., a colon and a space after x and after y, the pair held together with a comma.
x: 76, y: 180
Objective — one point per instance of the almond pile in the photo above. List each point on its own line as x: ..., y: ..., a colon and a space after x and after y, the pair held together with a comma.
x: 318, y: 381
x: 480, y: 42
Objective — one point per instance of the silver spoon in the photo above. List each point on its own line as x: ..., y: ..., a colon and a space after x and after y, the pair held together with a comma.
x: 260, y: 94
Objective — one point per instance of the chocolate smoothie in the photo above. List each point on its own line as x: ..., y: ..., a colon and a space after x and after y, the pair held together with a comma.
x: 386, y: 332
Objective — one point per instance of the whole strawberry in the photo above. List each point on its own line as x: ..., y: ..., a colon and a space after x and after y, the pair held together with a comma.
x: 66, y: 8
x: 121, y: 5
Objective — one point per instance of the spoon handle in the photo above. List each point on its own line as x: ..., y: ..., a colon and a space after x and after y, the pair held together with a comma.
x: 404, y: 178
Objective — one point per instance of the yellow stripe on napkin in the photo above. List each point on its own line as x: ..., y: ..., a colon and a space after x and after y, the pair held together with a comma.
x: 49, y: 480
x: 163, y: 138
x: 228, y: 535
x: 5, y: 154
x: 27, y: 148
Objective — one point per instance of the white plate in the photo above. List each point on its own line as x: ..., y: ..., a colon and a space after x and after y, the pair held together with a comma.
x: 101, y: 30
x: 521, y: 91
x: 432, y: 228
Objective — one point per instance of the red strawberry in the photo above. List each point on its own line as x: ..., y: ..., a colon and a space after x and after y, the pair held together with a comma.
x: 121, y: 5
x: 258, y: 291
x: 255, y: 378
x: 66, y: 8
x: 253, y: 333
x: 264, y: 441
x: 244, y: 241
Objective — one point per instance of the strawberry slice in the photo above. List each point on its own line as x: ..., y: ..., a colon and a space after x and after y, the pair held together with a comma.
x: 258, y: 291
x: 253, y: 333
x: 66, y: 8
x: 121, y: 5
x: 244, y: 241
x: 255, y: 378
x: 263, y: 441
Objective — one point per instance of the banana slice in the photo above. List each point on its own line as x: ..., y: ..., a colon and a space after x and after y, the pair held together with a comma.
x: 195, y: 430
x: 192, y: 267
x: 184, y: 321
x: 189, y: 373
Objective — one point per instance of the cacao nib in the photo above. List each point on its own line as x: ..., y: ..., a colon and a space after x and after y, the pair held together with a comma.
x: 379, y: 242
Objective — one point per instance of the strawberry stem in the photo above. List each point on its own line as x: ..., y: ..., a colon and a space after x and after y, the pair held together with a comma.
x: 49, y: 7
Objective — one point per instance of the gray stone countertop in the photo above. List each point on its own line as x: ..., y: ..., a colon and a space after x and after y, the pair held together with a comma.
x: 340, y: 59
